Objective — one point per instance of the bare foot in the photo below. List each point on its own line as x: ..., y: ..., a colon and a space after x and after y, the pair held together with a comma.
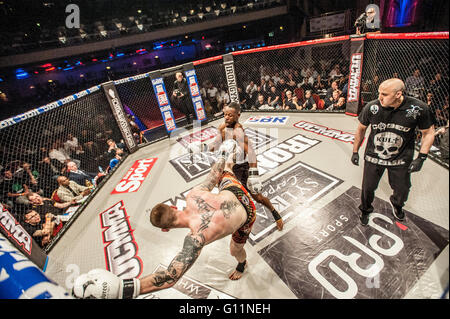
x: 280, y: 224
x: 236, y: 275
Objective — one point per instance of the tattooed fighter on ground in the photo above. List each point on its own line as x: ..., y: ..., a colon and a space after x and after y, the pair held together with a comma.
x: 209, y: 217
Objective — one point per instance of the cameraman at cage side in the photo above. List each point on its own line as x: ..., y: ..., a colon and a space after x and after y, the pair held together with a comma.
x: 180, y: 97
x: 369, y: 21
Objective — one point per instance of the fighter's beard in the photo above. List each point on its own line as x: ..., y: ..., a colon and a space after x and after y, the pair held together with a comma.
x: 231, y: 125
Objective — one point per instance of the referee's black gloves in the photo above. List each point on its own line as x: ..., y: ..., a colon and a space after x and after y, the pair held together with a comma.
x: 416, y: 165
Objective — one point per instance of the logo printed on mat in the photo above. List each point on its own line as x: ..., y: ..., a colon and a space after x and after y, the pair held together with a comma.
x: 326, y: 131
x: 277, y: 120
x: 135, y: 176
x: 186, y: 288
x: 334, y: 256
x: 198, y: 165
x: 121, y: 248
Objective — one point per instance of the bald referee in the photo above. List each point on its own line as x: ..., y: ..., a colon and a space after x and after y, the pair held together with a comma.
x: 393, y: 119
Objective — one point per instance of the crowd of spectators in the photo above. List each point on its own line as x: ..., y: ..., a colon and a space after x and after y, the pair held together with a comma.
x: 56, y: 171
x: 273, y: 88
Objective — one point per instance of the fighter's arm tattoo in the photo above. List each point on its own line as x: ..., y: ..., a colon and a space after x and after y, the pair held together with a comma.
x: 214, y: 176
x: 193, y: 244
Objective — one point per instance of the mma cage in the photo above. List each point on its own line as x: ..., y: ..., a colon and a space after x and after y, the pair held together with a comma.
x: 133, y: 112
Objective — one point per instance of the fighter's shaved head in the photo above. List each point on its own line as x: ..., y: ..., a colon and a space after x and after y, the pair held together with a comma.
x: 394, y: 85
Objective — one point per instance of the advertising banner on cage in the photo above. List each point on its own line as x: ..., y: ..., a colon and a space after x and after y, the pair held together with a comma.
x: 194, y: 92
x: 119, y: 115
x: 355, y: 75
x: 20, y: 238
x: 228, y: 64
x: 163, y: 101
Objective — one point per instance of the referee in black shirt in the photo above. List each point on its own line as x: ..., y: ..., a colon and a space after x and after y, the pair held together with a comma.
x: 393, y: 118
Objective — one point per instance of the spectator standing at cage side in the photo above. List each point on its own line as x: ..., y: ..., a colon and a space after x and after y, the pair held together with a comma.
x: 180, y: 97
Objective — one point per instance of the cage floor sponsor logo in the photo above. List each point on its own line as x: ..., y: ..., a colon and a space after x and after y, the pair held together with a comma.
x: 203, y: 135
x: 192, y: 167
x: 186, y: 288
x: 267, y: 120
x: 325, y: 131
x: 120, y: 246
x: 330, y: 255
x: 135, y: 176
x: 14, y: 230
x: 290, y: 191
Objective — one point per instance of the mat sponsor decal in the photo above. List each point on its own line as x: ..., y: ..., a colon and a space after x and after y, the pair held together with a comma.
x: 135, y: 176
x: 192, y: 167
x: 290, y: 191
x: 267, y: 120
x: 330, y: 255
x: 121, y: 249
x: 186, y: 288
x: 201, y: 136
x: 326, y: 131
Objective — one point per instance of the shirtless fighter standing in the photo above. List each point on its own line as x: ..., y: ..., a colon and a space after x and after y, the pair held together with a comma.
x: 246, y: 168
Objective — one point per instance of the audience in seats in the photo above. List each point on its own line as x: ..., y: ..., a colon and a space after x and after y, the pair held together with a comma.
x: 69, y: 191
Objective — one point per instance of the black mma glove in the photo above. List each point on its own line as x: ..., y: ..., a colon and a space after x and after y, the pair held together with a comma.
x: 416, y: 165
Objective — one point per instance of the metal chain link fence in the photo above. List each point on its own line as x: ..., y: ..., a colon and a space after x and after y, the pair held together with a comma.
x: 43, y: 153
x: 54, y: 159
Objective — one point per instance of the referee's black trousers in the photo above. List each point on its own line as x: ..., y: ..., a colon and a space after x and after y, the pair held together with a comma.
x: 399, y: 180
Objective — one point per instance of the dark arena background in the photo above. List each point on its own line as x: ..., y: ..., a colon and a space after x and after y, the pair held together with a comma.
x: 89, y: 98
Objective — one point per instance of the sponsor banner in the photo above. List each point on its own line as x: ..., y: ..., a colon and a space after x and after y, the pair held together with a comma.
x: 326, y: 131
x: 120, y: 246
x: 267, y: 120
x: 163, y: 101
x: 135, y: 176
x: 23, y: 241
x: 355, y: 74
x: 230, y: 74
x: 194, y: 91
x: 186, y: 288
x: 193, y: 166
x: 119, y: 115
x: 330, y: 255
x: 290, y: 192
